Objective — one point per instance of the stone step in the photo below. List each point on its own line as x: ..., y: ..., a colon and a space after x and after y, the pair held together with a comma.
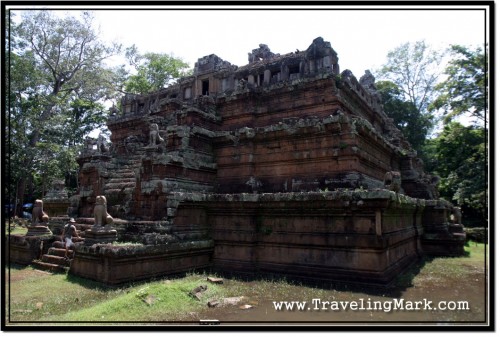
x: 126, y: 169
x: 59, y: 251
x: 81, y: 233
x: 455, y: 228
x: 119, y: 180
x: 129, y: 190
x: 84, y: 227
x: 54, y: 259
x: 85, y: 221
x: 112, y: 191
x: 50, y: 266
x: 119, y: 185
x: 60, y: 244
x: 126, y: 172
x: 459, y: 235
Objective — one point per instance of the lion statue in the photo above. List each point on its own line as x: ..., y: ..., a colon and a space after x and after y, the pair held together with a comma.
x: 101, y: 144
x: 154, y: 135
x: 392, y: 181
x: 38, y: 215
x: 101, y: 216
x: 456, y: 215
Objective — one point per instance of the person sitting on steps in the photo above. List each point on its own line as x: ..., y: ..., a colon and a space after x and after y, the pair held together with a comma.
x: 69, y: 231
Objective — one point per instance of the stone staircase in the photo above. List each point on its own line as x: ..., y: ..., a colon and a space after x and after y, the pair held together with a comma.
x: 122, y: 179
x: 54, y: 260
x: 121, y: 173
x: 121, y: 183
x: 457, y: 231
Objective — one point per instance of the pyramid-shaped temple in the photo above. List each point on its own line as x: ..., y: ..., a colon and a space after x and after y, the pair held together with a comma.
x: 282, y: 166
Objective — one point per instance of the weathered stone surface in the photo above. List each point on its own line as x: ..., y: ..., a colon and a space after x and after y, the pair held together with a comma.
x: 216, y: 280
x: 38, y: 216
x: 213, y: 303
x: 100, y: 235
x: 115, y: 265
x: 56, y: 201
x: 197, y: 292
x: 285, y: 165
x: 38, y: 231
x: 24, y: 249
x: 232, y: 300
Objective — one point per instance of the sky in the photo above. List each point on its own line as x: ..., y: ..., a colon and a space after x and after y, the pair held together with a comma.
x: 362, y: 36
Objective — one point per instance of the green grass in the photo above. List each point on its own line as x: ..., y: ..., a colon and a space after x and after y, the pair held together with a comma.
x: 44, y: 297
x: 432, y: 269
x: 166, y: 300
x: 37, y: 295
x: 41, y: 296
x: 16, y: 230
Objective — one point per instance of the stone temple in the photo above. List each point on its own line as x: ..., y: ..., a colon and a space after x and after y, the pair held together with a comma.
x: 285, y: 166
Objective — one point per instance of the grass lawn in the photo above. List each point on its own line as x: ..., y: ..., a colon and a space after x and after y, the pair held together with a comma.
x: 16, y: 229
x: 41, y: 298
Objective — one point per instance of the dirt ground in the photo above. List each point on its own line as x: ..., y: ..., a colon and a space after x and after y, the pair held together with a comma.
x: 263, y: 309
x: 463, y: 298
x: 459, y: 284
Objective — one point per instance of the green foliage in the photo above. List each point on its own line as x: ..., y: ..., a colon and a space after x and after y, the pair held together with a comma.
x: 153, y: 71
x: 465, y: 89
x: 460, y: 159
x: 407, y: 83
x: 56, y: 86
x: 15, y: 229
x: 414, y: 125
x: 414, y: 68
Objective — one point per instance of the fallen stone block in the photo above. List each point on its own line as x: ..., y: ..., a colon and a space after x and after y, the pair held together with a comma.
x: 197, y: 292
x: 232, y: 300
x: 213, y: 303
x: 215, y: 280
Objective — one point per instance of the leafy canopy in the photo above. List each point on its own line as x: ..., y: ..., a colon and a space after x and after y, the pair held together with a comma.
x: 154, y: 71
x: 460, y: 158
x: 415, y: 69
x: 57, y: 84
x: 413, y: 124
x: 465, y: 89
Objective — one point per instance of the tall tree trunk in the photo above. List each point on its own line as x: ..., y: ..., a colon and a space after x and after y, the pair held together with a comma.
x: 35, y: 137
x: 19, y: 202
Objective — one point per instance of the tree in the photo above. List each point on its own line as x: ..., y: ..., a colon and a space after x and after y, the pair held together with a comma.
x: 465, y: 89
x: 153, y: 71
x: 415, y: 69
x: 459, y: 158
x: 56, y: 77
x: 461, y: 152
x: 413, y: 124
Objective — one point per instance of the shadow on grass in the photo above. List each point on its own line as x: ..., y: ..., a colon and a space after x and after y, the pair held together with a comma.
x: 91, y: 284
x: 87, y: 283
x: 405, y: 280
x: 395, y: 289
x: 16, y: 266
